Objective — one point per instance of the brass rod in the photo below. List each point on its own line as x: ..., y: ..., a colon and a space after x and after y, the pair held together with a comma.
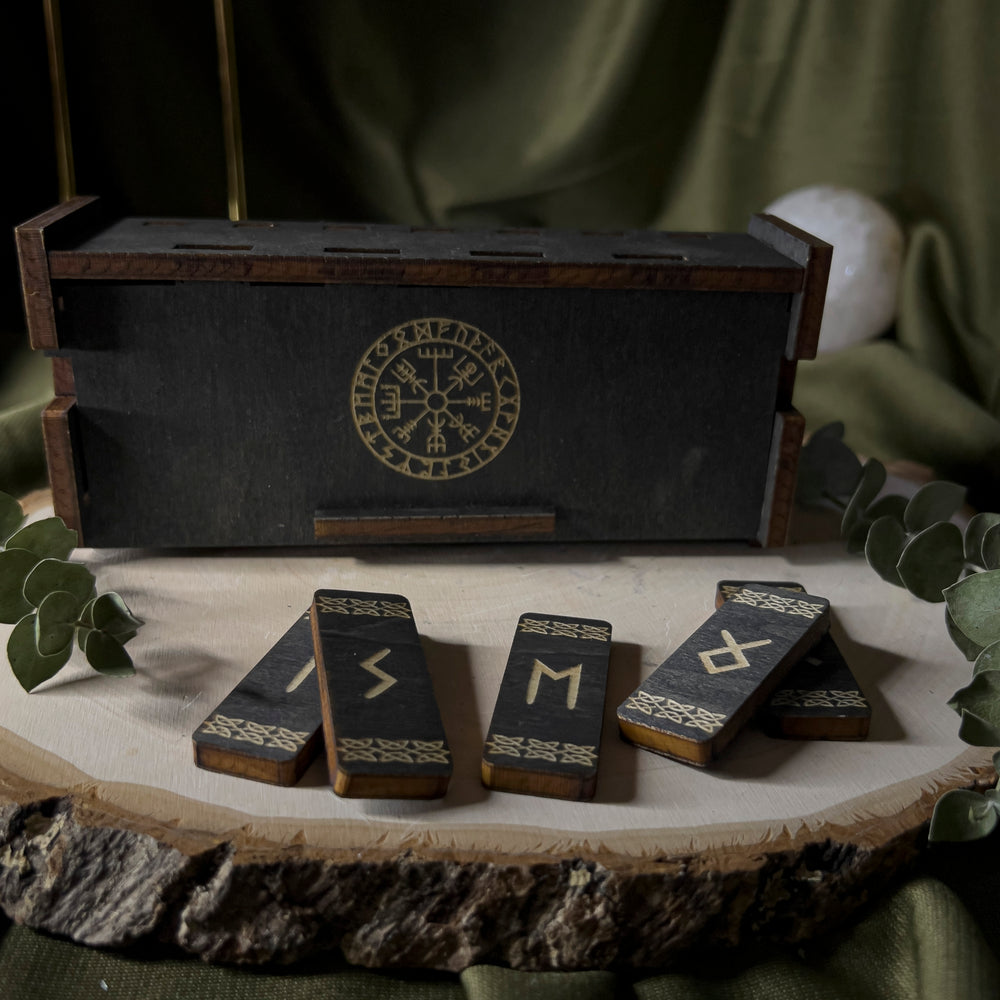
x: 235, y: 184
x: 60, y: 101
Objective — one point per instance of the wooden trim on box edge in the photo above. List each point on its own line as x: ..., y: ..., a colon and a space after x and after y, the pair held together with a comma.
x: 33, y: 260
x: 190, y: 266
x: 814, y: 255
x: 58, y: 419
x: 779, y: 497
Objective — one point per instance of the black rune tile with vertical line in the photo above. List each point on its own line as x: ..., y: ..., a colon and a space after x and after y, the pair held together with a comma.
x: 268, y: 727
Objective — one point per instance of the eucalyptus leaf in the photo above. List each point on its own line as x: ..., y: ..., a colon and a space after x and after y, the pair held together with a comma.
x: 87, y: 613
x: 82, y: 635
x: 11, y: 515
x: 988, y: 659
x: 961, y: 815
x: 827, y: 467
x: 977, y: 731
x: 48, y: 538
x: 933, y: 502
x: 55, y: 574
x: 30, y: 667
x: 869, y: 484
x: 884, y: 546
x: 55, y: 622
x: 932, y: 560
x: 891, y: 505
x: 978, y: 525
x: 112, y: 615
x: 981, y: 699
x: 107, y: 656
x: 15, y: 565
x: 989, y: 549
x: 857, y: 537
x: 969, y: 649
x: 974, y: 604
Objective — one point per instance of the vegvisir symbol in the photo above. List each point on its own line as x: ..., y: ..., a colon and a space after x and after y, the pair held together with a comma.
x: 435, y: 399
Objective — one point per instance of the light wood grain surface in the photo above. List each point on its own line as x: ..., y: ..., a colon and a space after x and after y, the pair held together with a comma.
x: 211, y: 616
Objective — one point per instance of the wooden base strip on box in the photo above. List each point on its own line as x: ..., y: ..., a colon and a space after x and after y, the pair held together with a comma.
x: 434, y: 525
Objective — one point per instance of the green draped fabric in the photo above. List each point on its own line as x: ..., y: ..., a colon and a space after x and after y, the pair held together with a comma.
x: 676, y: 114
x: 920, y: 944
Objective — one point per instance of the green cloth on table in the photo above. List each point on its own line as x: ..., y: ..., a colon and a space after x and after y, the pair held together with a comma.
x: 592, y: 113
x: 920, y: 944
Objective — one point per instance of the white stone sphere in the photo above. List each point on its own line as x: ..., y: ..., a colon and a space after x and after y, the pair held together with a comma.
x: 867, y: 259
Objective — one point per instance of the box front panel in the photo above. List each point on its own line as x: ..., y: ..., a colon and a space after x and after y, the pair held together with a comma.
x: 229, y: 413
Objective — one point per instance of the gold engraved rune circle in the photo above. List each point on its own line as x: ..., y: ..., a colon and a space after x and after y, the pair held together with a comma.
x: 435, y: 399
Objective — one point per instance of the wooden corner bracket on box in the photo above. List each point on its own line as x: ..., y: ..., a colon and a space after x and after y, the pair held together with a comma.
x: 256, y: 383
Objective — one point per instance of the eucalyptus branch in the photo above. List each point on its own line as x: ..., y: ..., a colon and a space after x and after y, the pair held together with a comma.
x: 913, y: 543
x: 51, y: 602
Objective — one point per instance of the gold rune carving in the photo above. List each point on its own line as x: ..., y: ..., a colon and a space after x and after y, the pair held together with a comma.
x: 435, y: 399
x: 572, y: 690
x: 734, y: 648
x: 386, y: 681
x: 374, y: 750
x: 357, y: 606
x: 773, y: 602
x: 567, y: 630
x: 301, y: 675
x: 551, y: 751
x: 259, y: 734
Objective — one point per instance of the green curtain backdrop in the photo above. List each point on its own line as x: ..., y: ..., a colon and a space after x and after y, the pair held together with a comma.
x: 675, y: 114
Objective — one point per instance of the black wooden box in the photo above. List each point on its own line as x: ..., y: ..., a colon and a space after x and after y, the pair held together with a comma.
x: 257, y: 383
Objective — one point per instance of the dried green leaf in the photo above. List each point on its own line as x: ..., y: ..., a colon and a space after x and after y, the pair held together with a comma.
x: 30, y: 667
x: 55, y: 574
x: 11, y: 515
x: 15, y: 565
x: 872, y: 480
x: 48, y: 538
x: 932, y: 560
x: 112, y: 615
x: 978, y: 525
x: 981, y: 700
x: 988, y: 659
x: 969, y: 649
x: 974, y: 604
x: 55, y: 622
x: 107, y: 656
x: 961, y: 815
x: 933, y: 502
x: 989, y: 549
x: 884, y: 546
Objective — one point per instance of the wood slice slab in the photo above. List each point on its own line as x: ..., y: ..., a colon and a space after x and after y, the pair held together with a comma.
x: 109, y: 833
